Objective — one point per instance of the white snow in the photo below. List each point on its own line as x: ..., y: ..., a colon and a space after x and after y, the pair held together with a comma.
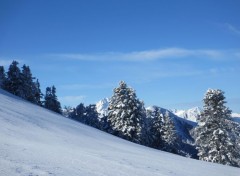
x: 235, y: 115
x: 102, y: 107
x: 192, y: 114
x: 35, y: 141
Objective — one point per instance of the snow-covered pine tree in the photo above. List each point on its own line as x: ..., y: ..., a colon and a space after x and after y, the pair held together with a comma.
x: 214, y: 141
x: 2, y: 77
x: 170, y: 137
x: 125, y: 113
x: 14, y: 81
x: 155, y: 129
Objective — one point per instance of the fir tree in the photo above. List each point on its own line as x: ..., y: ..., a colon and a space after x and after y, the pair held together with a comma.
x: 2, y: 77
x: 92, y: 116
x: 155, y: 134
x: 125, y: 113
x: 27, y: 85
x: 14, y: 81
x: 170, y: 137
x: 37, y: 93
x: 57, y: 106
x: 79, y: 113
x: 51, y: 101
x: 214, y: 141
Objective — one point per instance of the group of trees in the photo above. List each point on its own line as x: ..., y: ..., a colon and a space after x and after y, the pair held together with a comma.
x: 129, y: 120
x: 217, y: 137
x: 20, y: 82
x: 85, y: 114
x: 161, y: 132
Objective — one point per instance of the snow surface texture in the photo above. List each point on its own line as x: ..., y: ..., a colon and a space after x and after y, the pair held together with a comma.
x: 35, y: 141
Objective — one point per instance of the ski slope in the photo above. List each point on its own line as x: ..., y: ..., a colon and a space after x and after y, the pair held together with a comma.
x: 35, y: 141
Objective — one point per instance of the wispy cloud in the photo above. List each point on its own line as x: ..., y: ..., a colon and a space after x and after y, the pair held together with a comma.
x: 150, y: 55
x: 233, y: 28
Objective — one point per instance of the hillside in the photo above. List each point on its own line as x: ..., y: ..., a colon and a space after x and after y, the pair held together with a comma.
x: 35, y: 141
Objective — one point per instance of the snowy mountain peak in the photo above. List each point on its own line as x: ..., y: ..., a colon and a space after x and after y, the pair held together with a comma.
x: 192, y: 114
x: 102, y: 107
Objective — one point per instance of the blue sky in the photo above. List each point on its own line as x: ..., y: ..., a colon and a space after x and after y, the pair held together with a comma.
x: 170, y: 52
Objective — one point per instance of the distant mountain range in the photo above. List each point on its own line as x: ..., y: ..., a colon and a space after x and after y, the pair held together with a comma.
x: 192, y: 114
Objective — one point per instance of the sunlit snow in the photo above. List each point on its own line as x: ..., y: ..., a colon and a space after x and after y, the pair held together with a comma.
x: 35, y: 141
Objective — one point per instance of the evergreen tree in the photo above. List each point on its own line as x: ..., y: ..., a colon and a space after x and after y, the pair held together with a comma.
x: 57, y: 106
x: 27, y: 85
x: 21, y: 83
x: 170, y: 137
x: 125, y: 113
x: 79, y: 113
x: 155, y: 133
x: 87, y: 115
x: 214, y: 141
x: 14, y: 81
x: 51, y: 101
x: 92, y: 116
x: 48, y: 98
x: 2, y: 77
x: 37, y: 93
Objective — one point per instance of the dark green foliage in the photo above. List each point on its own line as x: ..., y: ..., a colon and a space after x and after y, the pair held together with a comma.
x: 27, y: 85
x: 14, y: 81
x: 87, y: 115
x: 154, y: 128
x: 92, y: 116
x: 37, y: 93
x: 51, y: 102
x: 21, y: 83
x: 2, y: 77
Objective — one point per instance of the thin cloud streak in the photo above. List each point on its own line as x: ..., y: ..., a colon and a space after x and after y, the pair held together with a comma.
x: 232, y: 28
x: 151, y: 55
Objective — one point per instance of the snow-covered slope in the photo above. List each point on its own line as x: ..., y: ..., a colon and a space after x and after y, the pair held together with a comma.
x: 35, y: 141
